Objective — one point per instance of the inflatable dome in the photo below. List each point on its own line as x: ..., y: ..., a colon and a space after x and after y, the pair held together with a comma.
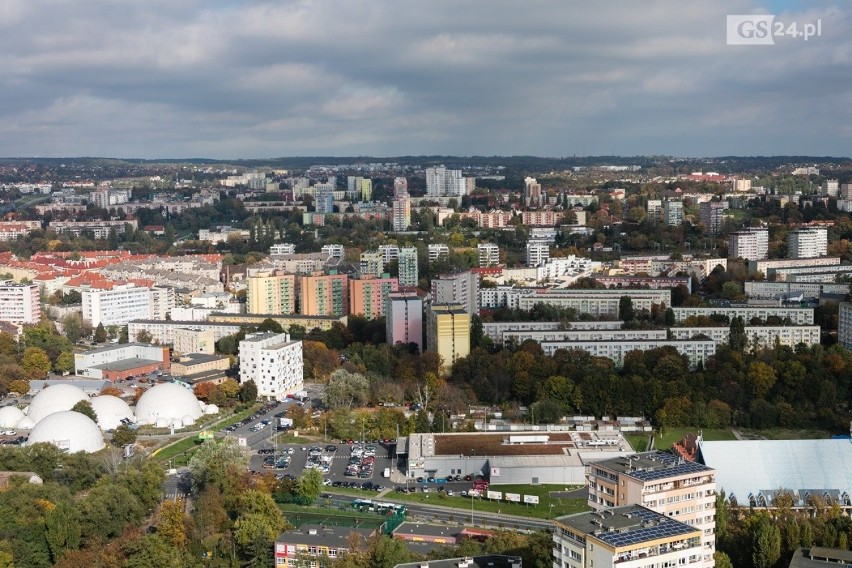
x: 54, y: 398
x: 211, y: 409
x: 167, y: 403
x: 110, y: 411
x: 10, y: 416
x: 25, y: 423
x: 68, y: 430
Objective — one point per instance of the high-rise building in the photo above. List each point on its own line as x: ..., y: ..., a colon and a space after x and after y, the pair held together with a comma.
x: 808, y: 242
x: 844, y: 325
x: 408, y: 268
x: 404, y: 319
x: 537, y: 253
x: 448, y: 332
x: 116, y: 305
x: 334, y: 251
x: 401, y: 213
x: 366, y: 189
x: 324, y: 295
x: 400, y: 187
x: 655, y: 209
x: 438, y: 250
x: 457, y: 288
x: 631, y: 536
x: 371, y: 264
x: 532, y: 192
x: 19, y: 303
x: 831, y: 187
x: 713, y: 216
x: 368, y: 296
x: 324, y: 198
x: 750, y: 244
x: 673, y: 212
x: 390, y: 253
x: 682, y: 490
x: 489, y: 255
x: 271, y: 293
x: 443, y: 182
x: 273, y: 362
x: 742, y: 184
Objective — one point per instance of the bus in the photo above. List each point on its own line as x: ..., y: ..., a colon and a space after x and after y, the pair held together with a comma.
x: 378, y: 507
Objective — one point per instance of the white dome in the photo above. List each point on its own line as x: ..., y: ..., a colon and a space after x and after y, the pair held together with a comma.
x: 68, y: 430
x: 10, y: 416
x: 162, y: 422
x: 55, y: 398
x: 211, y: 409
x: 110, y: 411
x: 169, y: 402
x: 25, y: 423
x: 188, y: 420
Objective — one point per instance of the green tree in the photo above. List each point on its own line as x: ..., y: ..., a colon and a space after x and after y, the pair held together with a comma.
x: 248, y: 392
x: 107, y: 510
x: 309, y: 485
x: 85, y: 407
x: 65, y: 362
x: 738, y: 339
x: 625, y: 309
x: 761, y: 377
x: 153, y: 550
x: 123, y: 436
x: 765, y: 543
x: 35, y: 362
x: 254, y: 538
x: 100, y: 333
x: 346, y: 390
x: 62, y: 529
x: 213, y: 461
x: 387, y: 552
x: 171, y: 523
x: 722, y: 560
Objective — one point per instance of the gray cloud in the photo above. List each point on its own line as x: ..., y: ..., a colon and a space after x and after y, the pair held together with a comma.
x: 167, y: 78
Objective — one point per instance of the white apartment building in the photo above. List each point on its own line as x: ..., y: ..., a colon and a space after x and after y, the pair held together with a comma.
x: 282, y: 248
x: 541, y: 336
x: 596, y: 302
x: 117, y: 305
x: 805, y: 290
x: 489, y: 254
x: 408, y: 267
x: 570, y: 267
x: 680, y: 490
x: 165, y: 332
x: 501, y: 297
x: 11, y: 230
x: 334, y: 251
x: 273, y: 362
x: 798, y: 316
x: 626, y: 537
x: 537, y: 253
x: 751, y: 244
x: 496, y: 330
x: 161, y: 302
x: 372, y: 264
x: 655, y: 209
x: 401, y: 211
x: 713, y: 216
x: 438, y: 250
x: 188, y: 340
x: 443, y: 182
x: 762, y: 335
x: 769, y: 267
x: 807, y: 243
x: 741, y: 184
x: 19, y: 303
x: 390, y: 253
x: 697, y: 351
x: 457, y: 288
x: 404, y: 319
x: 673, y: 212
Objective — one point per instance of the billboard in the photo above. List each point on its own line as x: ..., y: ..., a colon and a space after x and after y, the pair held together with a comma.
x: 494, y: 494
x: 513, y: 497
x: 531, y: 499
x: 495, y: 472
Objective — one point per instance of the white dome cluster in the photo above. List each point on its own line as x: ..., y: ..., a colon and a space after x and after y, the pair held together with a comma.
x: 168, y: 405
x: 69, y: 431
x: 54, y: 398
x: 110, y: 411
x: 10, y: 416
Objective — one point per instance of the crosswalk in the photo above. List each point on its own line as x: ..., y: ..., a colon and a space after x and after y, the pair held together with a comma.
x: 175, y: 496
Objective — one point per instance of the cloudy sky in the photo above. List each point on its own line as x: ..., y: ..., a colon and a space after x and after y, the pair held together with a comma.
x: 258, y: 79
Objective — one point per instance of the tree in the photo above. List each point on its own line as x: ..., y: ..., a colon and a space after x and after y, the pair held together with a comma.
x: 171, y: 523
x: 19, y: 386
x: 346, y: 389
x: 765, y: 543
x: 738, y: 338
x: 75, y: 327
x: 309, y: 485
x: 248, y: 392
x: 254, y: 538
x: 153, y: 550
x: 65, y: 362
x: 35, y: 362
x: 100, y: 333
x: 722, y: 560
x: 123, y: 436
x: 762, y: 378
x: 387, y: 552
x: 85, y: 407
x: 625, y: 309
x: 62, y: 529
x: 212, y: 462
x: 144, y: 337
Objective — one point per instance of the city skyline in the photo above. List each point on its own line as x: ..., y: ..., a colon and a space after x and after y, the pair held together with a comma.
x: 262, y: 79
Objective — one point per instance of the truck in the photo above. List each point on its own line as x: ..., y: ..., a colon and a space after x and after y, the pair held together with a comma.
x: 301, y: 395
x: 285, y: 423
x: 386, y: 473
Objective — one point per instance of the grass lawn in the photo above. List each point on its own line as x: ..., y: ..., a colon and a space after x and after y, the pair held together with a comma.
x: 785, y: 434
x: 179, y: 452
x: 560, y: 506
x: 299, y: 515
x: 666, y: 437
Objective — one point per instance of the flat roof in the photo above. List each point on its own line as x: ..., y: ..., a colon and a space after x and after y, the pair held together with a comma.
x: 120, y: 346
x: 412, y: 529
x: 126, y: 364
x: 626, y: 526
x: 189, y: 324
x: 199, y: 359
x: 490, y: 561
x: 650, y: 466
x: 820, y: 557
x: 323, y: 535
x: 760, y: 468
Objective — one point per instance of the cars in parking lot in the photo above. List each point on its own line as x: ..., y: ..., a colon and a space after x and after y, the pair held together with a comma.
x: 331, y: 448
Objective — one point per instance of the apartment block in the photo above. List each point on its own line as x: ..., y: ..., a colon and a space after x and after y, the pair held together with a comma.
x: 401, y: 207
x: 408, y: 267
x: 99, y: 229
x: 194, y: 340
x: 404, y: 319
x: 696, y: 350
x: 811, y: 242
x: 489, y: 255
x: 713, y: 216
x: 368, y: 296
x: 497, y: 330
x: 390, y: 253
x: 334, y: 251
x: 161, y: 302
x: 400, y: 186
x: 844, y: 325
x: 19, y: 303
x: 770, y: 267
x: 797, y: 316
x: 457, y: 288
x: 117, y: 305
x: 11, y: 230
x: 673, y: 212
x: 596, y: 302
x: 538, y: 252
x: 448, y: 332
x: 165, y: 332
x: 627, y: 537
x: 324, y: 295
x: 438, y: 250
x: 366, y: 189
x: 271, y: 293
x: 751, y: 244
x: 763, y: 336
x: 541, y: 336
x: 371, y: 264
x: 664, y: 483
x: 273, y: 362
x: 655, y: 209
x: 282, y: 248
x: 443, y: 182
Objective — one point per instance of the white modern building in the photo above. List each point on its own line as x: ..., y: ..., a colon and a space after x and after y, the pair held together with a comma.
x: 798, y: 316
x: 438, y: 250
x: 489, y: 254
x: 697, y: 350
x: 596, y: 302
x: 404, y: 319
x: 334, y: 251
x: 372, y: 264
x: 282, y: 248
x: 751, y: 244
x: 19, y: 303
x: 761, y: 335
x: 273, y: 362
x: 810, y: 242
x: 497, y: 330
x: 443, y: 182
x: 408, y: 267
x: 117, y: 305
x: 537, y: 253
x: 165, y: 332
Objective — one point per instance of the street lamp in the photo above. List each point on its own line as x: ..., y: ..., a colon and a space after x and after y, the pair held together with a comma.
x: 472, y: 453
